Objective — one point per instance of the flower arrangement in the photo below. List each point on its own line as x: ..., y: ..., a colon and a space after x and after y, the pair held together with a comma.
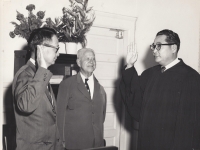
x: 75, y: 22
x: 27, y: 24
x: 71, y: 27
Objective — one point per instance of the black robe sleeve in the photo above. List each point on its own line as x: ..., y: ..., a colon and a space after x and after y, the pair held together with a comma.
x: 131, y: 92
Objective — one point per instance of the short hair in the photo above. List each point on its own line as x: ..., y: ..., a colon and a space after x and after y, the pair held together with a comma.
x: 38, y: 36
x: 82, y: 51
x: 172, y: 37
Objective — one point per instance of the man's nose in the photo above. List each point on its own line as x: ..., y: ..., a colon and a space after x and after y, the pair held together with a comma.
x: 155, y: 51
x: 91, y: 61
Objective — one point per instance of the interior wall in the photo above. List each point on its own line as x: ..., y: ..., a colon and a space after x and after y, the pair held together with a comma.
x: 52, y: 9
x: 181, y: 16
x: 9, y: 7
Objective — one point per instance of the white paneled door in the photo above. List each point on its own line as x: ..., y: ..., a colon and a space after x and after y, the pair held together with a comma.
x: 110, y: 53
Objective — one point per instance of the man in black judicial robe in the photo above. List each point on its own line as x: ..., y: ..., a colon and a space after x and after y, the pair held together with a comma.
x: 165, y: 99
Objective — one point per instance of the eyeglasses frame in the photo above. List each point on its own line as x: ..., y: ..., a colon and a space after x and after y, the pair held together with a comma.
x: 48, y: 45
x: 154, y: 47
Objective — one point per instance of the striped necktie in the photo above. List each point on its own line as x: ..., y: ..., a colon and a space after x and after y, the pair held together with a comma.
x: 49, y: 89
x: 87, y: 86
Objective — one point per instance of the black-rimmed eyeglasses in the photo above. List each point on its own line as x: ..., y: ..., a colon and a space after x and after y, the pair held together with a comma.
x: 158, y: 46
x: 47, y: 45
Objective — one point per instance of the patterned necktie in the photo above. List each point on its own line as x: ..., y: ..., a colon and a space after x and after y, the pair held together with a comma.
x: 87, y: 86
x: 49, y: 89
x: 163, y: 69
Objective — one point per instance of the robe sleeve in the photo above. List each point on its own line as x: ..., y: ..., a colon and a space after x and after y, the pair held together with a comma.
x: 196, y: 131
x: 131, y: 92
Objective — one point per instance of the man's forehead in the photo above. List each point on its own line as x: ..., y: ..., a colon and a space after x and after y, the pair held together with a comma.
x: 89, y: 53
x: 160, y: 38
x: 86, y: 51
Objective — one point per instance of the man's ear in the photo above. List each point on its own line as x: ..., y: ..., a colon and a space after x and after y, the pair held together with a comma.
x: 78, y: 62
x: 174, y: 48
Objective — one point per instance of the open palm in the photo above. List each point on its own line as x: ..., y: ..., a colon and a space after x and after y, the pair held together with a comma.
x: 132, y: 55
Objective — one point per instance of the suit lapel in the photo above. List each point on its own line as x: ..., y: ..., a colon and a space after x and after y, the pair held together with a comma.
x: 96, y: 88
x: 30, y: 64
x: 81, y: 87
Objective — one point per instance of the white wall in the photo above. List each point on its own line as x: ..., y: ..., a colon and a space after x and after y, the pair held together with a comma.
x: 53, y: 9
x: 181, y: 16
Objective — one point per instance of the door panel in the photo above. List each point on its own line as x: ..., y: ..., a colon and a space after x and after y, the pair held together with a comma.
x: 107, y: 48
x: 110, y: 53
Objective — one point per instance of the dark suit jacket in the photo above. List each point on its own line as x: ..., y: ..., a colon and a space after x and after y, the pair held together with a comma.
x: 80, y: 119
x: 35, y: 115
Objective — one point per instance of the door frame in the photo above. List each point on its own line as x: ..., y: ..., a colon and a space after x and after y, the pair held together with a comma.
x: 127, y: 25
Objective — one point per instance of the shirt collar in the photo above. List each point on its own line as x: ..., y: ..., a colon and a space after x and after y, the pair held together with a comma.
x: 83, y: 77
x: 32, y: 60
x: 173, y: 63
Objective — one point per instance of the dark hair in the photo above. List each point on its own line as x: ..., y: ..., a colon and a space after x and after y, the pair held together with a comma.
x: 38, y: 36
x: 172, y: 37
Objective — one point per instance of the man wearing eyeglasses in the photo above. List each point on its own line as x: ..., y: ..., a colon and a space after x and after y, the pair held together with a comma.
x: 34, y: 101
x: 165, y: 99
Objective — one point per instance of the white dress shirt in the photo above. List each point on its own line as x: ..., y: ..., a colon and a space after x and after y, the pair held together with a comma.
x: 173, y: 63
x: 32, y: 60
x: 90, y: 83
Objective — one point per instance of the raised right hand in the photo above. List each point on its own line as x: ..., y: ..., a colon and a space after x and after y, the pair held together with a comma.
x: 132, y: 55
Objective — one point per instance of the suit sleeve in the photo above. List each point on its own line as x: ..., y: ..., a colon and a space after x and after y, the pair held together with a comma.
x: 131, y: 92
x: 62, y: 101
x: 29, y: 88
x: 104, y: 103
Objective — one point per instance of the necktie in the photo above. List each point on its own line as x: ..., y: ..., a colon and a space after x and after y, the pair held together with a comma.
x: 87, y: 86
x: 49, y: 89
x: 163, y: 69
x: 50, y: 93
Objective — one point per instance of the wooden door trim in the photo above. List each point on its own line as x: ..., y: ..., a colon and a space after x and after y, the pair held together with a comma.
x: 128, y: 25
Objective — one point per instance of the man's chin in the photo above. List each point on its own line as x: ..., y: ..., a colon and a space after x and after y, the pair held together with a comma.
x: 156, y: 58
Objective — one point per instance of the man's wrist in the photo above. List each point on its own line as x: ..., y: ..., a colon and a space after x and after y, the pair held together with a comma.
x: 129, y: 66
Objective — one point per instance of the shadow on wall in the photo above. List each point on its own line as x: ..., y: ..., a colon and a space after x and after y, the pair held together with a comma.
x: 119, y: 107
x: 130, y: 125
x: 9, y: 129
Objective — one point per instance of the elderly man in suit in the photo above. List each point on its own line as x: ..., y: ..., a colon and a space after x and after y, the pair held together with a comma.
x: 33, y: 97
x: 82, y: 106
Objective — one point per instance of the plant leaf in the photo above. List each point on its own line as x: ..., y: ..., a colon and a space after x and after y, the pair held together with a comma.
x: 79, y: 1
x: 14, y: 23
x: 85, y: 4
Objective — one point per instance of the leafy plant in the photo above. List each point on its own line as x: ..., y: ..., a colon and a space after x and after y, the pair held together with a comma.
x: 27, y: 24
x: 75, y: 22
x: 71, y: 27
